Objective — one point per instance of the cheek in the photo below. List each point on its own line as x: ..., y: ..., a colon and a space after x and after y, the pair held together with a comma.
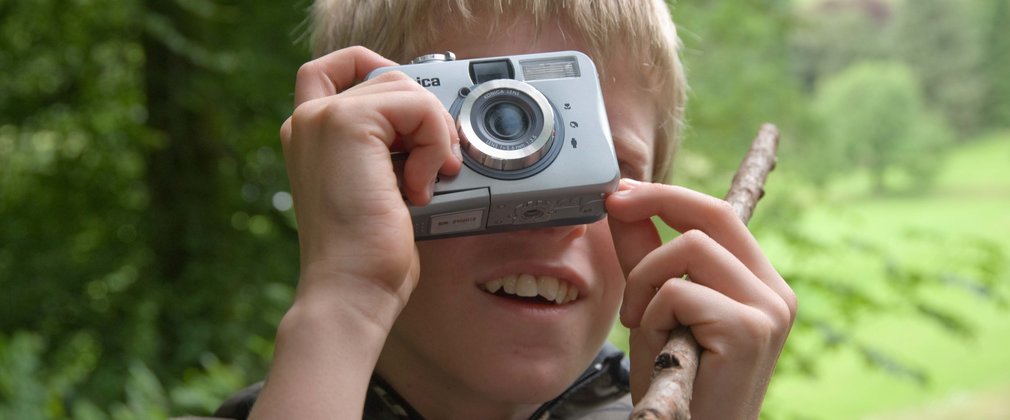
x: 442, y: 278
x: 603, y: 248
x: 437, y: 256
x: 606, y: 264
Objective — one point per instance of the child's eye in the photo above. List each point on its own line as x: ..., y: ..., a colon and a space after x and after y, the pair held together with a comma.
x: 629, y: 171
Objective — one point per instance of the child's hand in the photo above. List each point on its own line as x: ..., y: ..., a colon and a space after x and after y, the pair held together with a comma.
x: 737, y: 306
x: 353, y: 224
x: 358, y: 260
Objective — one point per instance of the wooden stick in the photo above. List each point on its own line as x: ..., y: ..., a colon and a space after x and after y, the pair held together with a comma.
x: 673, y: 373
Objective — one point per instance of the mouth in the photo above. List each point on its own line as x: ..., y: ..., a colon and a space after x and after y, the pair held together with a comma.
x: 533, y: 289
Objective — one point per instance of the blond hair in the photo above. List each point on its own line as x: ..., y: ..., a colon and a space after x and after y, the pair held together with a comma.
x: 403, y: 29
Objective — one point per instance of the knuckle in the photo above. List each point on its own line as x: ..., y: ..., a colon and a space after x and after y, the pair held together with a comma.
x: 285, y: 132
x: 357, y: 50
x: 308, y: 70
x: 333, y: 110
x: 389, y: 76
x: 326, y: 115
x: 306, y: 113
x: 759, y: 329
x: 722, y: 211
x: 781, y: 316
x: 299, y: 117
x: 669, y: 289
x: 398, y: 77
x: 770, y: 323
x: 695, y: 239
x: 792, y: 303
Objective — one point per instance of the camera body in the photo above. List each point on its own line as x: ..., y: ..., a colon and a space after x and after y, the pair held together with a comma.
x: 535, y: 139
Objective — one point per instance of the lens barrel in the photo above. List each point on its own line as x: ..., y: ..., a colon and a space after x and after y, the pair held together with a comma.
x: 506, y: 125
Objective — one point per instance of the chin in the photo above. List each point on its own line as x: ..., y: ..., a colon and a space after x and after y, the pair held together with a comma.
x: 523, y: 381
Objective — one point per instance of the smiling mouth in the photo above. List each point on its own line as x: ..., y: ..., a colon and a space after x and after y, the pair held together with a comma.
x: 535, y: 289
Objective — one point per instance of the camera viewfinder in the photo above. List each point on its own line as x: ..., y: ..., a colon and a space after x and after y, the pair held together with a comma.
x: 481, y: 72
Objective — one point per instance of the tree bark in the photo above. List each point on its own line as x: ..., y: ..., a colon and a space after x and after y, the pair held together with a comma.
x: 669, y: 394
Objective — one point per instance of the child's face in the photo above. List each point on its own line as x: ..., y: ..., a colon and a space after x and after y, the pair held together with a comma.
x: 455, y: 335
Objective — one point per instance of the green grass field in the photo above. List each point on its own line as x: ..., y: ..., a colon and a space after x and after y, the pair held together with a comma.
x: 933, y: 231
x: 968, y: 377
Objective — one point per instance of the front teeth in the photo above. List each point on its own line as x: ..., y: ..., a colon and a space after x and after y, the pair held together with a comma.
x: 526, y: 285
x: 548, y: 287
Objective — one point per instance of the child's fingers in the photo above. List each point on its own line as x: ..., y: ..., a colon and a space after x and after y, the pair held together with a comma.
x: 740, y: 342
x: 707, y: 263
x: 633, y: 240
x: 723, y: 327
x: 684, y: 210
x: 377, y: 117
x: 684, y: 303
x: 395, y: 81
x: 428, y: 133
x: 334, y: 72
x: 385, y: 82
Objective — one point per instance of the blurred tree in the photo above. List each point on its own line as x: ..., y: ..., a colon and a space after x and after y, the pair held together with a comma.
x: 146, y: 246
x: 743, y: 59
x: 996, y: 62
x: 940, y: 41
x: 831, y: 35
x: 139, y: 177
x: 738, y: 64
x: 873, y: 117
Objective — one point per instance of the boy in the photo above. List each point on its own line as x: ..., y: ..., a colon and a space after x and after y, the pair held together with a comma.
x: 383, y: 326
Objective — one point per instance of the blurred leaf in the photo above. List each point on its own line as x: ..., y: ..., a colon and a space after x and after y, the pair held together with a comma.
x: 951, y: 323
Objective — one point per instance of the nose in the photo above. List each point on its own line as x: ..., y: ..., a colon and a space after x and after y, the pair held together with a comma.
x: 560, y: 233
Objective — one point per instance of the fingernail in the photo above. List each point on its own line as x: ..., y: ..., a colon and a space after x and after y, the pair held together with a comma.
x: 631, y: 182
x: 622, y: 193
x: 457, y: 152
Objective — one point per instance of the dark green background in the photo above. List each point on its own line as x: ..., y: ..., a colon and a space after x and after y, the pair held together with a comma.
x: 146, y: 253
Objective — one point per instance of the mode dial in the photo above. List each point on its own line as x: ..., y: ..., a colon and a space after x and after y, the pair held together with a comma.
x: 427, y: 58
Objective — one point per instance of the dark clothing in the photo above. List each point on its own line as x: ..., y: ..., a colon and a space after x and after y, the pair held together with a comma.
x: 600, y: 393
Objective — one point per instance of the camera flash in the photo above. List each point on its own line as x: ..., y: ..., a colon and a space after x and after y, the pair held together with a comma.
x: 552, y: 68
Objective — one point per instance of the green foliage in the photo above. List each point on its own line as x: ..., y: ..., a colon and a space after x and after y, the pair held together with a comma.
x: 996, y: 62
x: 22, y: 394
x: 147, y: 254
x: 843, y: 81
x: 31, y: 389
x: 836, y: 302
x: 903, y: 298
x: 138, y: 166
x: 738, y: 69
x: 873, y: 117
x: 940, y: 41
x: 830, y: 36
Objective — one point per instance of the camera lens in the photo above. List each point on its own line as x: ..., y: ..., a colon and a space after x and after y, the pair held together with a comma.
x: 507, y: 129
x: 506, y: 121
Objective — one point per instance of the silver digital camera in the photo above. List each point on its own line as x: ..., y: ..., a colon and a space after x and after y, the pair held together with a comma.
x: 535, y: 139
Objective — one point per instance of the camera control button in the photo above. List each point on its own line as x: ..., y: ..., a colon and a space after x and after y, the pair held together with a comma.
x: 533, y: 212
x: 427, y: 58
x: 420, y: 227
x: 568, y: 202
x: 593, y: 207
